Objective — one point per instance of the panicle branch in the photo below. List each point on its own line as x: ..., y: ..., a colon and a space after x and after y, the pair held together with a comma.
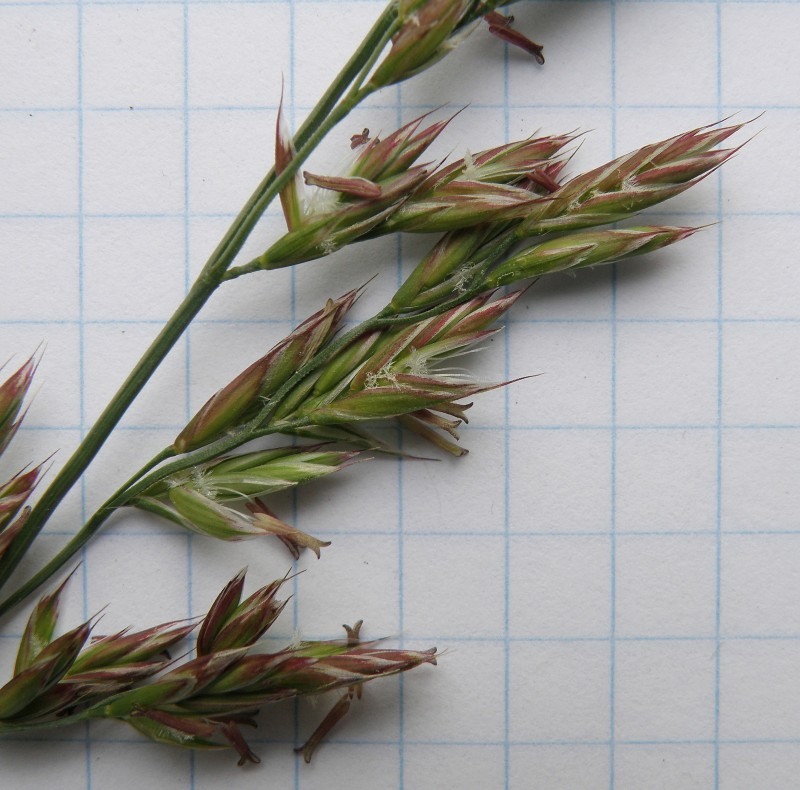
x: 197, y: 704
x: 393, y: 367
x: 512, y: 186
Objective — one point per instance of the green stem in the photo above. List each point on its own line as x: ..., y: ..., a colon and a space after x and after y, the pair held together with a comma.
x: 99, y: 432
x: 122, y: 497
x: 165, y: 454
x: 350, y: 75
x: 356, y: 95
x: 309, y: 135
x: 83, y: 535
x: 341, y: 111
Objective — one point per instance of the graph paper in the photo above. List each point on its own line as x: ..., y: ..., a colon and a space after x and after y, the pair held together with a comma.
x: 613, y: 573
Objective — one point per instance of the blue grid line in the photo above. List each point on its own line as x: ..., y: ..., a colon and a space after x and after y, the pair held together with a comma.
x: 293, y: 314
x: 87, y: 727
x: 149, y: 532
x: 401, y: 525
x: 49, y: 3
x: 501, y: 639
x: 33, y: 215
x: 256, y: 739
x: 167, y: 215
x: 187, y: 339
x: 612, y: 741
x: 719, y: 108
x: 235, y: 321
x: 506, y: 489
x: 472, y: 428
x: 719, y: 436
x: 261, y: 108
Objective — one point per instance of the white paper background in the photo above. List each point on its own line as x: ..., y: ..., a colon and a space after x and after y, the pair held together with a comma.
x: 614, y: 571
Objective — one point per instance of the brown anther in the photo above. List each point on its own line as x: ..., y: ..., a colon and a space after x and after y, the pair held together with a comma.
x: 353, y: 633
x: 359, y: 139
x: 497, y: 19
x: 542, y: 178
x: 231, y: 733
x: 258, y: 506
x: 500, y: 26
x: 335, y: 714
